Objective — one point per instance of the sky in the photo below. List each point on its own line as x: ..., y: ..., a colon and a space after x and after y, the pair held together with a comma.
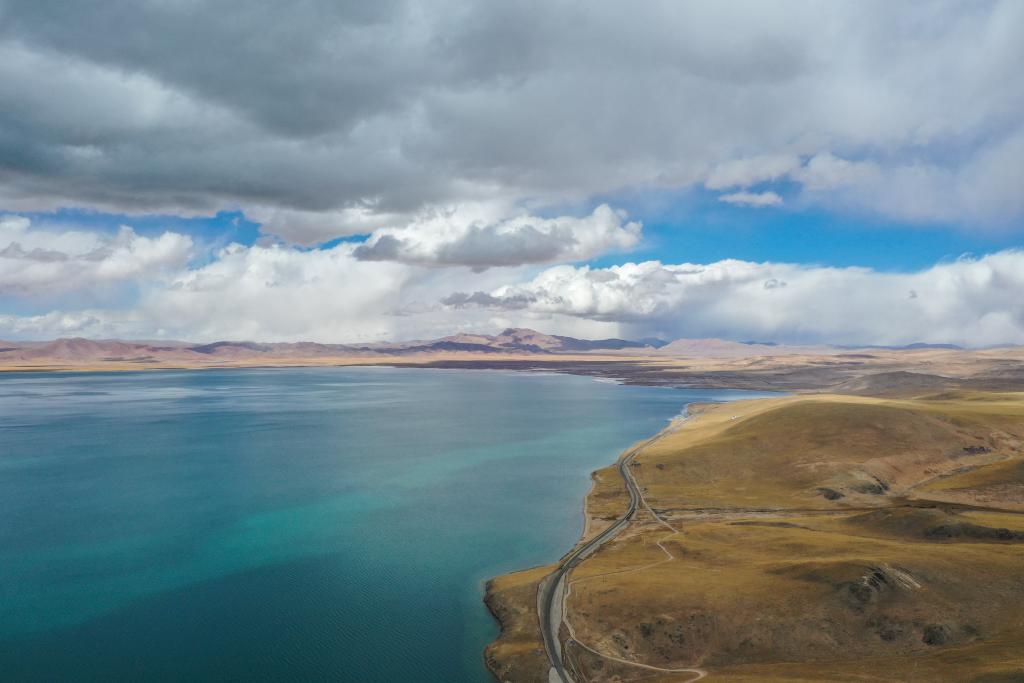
x: 322, y: 170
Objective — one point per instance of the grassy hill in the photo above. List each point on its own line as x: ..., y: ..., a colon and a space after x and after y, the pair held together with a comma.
x: 813, y: 538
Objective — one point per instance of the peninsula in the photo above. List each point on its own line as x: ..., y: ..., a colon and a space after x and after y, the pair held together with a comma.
x: 871, y: 527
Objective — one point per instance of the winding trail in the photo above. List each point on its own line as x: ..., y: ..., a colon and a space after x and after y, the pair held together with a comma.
x: 554, y: 589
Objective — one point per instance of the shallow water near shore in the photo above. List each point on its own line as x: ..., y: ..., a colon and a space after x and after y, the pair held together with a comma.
x: 283, y: 524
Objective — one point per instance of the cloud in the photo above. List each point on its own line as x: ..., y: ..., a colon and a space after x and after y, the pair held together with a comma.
x: 828, y: 172
x: 457, y: 149
x: 754, y: 199
x: 36, y: 262
x: 476, y: 237
x: 923, y: 191
x: 56, y: 324
x: 463, y: 300
x: 87, y: 283
x: 187, y: 111
x: 751, y: 171
x: 280, y: 293
x: 285, y: 293
x: 969, y: 301
x: 309, y: 226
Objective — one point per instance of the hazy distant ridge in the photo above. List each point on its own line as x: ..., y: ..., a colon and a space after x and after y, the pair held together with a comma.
x: 512, y: 341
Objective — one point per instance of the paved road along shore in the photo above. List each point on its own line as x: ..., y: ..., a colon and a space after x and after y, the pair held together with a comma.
x: 551, y: 592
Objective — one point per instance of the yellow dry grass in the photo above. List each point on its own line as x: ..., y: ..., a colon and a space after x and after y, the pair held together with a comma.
x: 518, y: 654
x: 910, y: 568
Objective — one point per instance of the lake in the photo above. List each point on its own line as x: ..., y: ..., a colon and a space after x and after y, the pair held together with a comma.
x: 272, y: 524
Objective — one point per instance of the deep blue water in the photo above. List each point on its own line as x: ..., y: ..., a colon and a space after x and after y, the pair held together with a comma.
x: 287, y: 524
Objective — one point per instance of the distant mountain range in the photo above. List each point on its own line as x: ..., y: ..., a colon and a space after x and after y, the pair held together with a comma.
x: 513, y: 341
x: 517, y: 340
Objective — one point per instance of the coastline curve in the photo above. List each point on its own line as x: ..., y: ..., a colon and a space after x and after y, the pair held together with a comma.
x: 552, y: 589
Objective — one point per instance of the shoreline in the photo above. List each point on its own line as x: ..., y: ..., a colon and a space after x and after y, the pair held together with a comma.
x: 495, y: 606
x: 880, y: 372
x: 674, y: 373
x: 492, y: 598
x: 893, y: 534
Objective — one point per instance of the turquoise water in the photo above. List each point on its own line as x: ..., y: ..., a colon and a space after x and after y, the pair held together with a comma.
x: 283, y: 524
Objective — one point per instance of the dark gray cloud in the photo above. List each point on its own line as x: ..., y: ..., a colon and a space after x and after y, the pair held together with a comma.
x: 485, y: 300
x: 327, y: 118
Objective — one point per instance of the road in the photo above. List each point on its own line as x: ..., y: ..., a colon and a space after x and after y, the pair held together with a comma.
x: 552, y: 589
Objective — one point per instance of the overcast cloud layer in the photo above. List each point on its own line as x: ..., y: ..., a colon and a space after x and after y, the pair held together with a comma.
x: 475, y: 157
x: 324, y: 118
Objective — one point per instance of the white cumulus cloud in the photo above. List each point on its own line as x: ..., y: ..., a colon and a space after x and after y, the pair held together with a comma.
x: 287, y: 293
x: 36, y: 262
x: 480, y: 237
x: 970, y: 301
x: 280, y: 293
